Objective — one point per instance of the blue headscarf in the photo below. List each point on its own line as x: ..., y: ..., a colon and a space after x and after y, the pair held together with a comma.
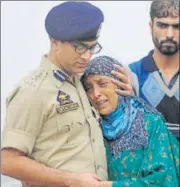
x: 124, y: 128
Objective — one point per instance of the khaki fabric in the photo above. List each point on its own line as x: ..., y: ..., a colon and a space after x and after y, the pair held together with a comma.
x: 69, y: 140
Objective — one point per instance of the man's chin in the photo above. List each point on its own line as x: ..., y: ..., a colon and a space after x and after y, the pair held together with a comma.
x: 169, y: 52
x: 79, y: 73
x: 81, y: 70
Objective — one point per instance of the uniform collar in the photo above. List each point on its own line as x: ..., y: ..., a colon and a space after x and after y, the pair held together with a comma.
x: 149, y: 63
x: 53, y: 69
x: 55, y: 72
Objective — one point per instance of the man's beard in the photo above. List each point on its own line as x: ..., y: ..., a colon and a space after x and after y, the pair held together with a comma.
x: 166, y: 47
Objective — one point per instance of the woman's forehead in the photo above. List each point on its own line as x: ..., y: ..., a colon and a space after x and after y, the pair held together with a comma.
x: 91, y: 78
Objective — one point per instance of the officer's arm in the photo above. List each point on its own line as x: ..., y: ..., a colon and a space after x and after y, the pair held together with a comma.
x: 16, y: 164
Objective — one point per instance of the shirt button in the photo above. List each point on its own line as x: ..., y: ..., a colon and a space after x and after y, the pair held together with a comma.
x: 98, y: 167
x: 93, y: 140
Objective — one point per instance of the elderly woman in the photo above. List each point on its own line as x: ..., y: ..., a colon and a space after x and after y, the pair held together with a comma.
x: 141, y: 152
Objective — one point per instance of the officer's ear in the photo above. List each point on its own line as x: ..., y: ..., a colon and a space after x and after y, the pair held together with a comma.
x: 55, y: 43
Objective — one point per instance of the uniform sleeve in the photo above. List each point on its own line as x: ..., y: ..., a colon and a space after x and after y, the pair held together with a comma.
x: 24, y: 118
x: 158, y: 167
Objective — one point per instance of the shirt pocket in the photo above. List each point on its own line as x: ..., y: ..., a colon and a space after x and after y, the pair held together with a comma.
x: 71, y: 127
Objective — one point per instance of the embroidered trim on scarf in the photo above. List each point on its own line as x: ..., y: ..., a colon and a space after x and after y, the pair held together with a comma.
x: 137, y: 137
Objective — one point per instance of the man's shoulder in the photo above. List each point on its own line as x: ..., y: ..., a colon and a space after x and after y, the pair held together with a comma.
x: 135, y: 65
x: 139, y: 65
x: 28, y: 85
x: 34, y: 79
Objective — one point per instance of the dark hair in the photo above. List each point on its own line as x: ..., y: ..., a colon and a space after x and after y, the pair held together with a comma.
x: 164, y: 8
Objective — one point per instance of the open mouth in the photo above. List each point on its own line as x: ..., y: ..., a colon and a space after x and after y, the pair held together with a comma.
x: 101, y: 103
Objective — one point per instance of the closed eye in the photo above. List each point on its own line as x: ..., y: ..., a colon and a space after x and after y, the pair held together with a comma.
x: 104, y: 83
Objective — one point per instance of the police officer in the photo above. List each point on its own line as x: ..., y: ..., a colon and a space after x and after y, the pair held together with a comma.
x: 51, y: 137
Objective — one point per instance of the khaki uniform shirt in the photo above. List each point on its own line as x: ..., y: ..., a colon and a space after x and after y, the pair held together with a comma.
x: 52, y: 121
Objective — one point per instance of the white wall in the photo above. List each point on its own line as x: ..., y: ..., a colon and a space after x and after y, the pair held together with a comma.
x: 125, y: 35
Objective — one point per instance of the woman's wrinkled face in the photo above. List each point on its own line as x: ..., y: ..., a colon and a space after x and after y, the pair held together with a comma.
x: 101, y: 92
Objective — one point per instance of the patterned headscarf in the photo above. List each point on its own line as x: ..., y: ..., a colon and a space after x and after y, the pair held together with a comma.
x: 101, y: 65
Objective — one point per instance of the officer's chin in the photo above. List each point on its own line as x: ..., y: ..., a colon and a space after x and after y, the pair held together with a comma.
x: 81, y: 70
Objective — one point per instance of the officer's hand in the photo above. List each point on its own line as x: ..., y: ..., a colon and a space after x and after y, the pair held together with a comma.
x: 85, y: 180
x: 125, y: 82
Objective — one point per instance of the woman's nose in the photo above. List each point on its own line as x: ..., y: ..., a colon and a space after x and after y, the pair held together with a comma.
x: 96, y: 93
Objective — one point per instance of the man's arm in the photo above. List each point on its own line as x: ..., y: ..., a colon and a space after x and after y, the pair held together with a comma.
x: 16, y: 164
